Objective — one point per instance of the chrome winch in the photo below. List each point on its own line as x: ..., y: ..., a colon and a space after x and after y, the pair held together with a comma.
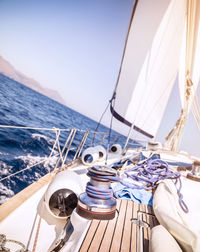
x: 98, y: 201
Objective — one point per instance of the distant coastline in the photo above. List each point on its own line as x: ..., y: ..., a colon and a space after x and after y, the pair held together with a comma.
x: 8, y: 70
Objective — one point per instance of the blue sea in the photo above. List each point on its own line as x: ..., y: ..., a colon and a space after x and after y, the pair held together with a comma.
x: 20, y: 148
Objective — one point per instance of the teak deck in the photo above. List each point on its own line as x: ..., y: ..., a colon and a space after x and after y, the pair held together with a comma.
x: 121, y: 233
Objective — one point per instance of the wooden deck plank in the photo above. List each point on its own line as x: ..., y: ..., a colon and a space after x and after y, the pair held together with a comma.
x: 116, y: 242
x: 106, y: 242
x: 134, y: 228
x: 155, y: 221
x: 145, y: 231
x: 94, y: 247
x: 119, y: 234
x: 89, y: 236
x: 126, y: 239
x: 149, y: 221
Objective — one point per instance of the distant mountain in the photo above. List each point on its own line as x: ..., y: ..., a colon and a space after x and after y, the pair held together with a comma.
x: 7, y: 69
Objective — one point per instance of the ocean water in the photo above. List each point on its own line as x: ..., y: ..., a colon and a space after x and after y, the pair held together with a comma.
x: 20, y: 148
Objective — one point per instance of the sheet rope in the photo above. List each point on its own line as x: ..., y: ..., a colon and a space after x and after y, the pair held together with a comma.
x: 149, y: 173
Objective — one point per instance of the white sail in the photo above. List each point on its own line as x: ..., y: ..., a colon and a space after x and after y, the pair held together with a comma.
x: 190, y: 53
x: 150, y: 63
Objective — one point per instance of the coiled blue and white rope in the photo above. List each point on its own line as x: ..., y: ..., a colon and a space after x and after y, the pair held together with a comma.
x: 148, y: 173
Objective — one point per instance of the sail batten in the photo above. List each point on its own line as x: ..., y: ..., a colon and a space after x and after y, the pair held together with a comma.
x: 150, y: 63
x: 123, y: 120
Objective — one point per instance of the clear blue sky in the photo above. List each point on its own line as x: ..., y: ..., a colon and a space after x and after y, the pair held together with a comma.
x: 72, y: 46
x: 75, y: 47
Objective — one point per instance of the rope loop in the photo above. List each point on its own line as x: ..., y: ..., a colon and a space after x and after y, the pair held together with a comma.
x: 180, y: 195
x: 183, y: 205
x: 99, y: 193
x: 4, y: 240
x: 150, y: 173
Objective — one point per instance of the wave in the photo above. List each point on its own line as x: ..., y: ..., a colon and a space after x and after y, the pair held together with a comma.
x: 5, y: 193
x: 30, y: 160
x: 41, y: 137
x: 21, y: 148
x: 4, y: 168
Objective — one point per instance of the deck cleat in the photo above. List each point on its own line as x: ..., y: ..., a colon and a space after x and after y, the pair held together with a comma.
x: 195, y: 173
x: 98, y: 201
